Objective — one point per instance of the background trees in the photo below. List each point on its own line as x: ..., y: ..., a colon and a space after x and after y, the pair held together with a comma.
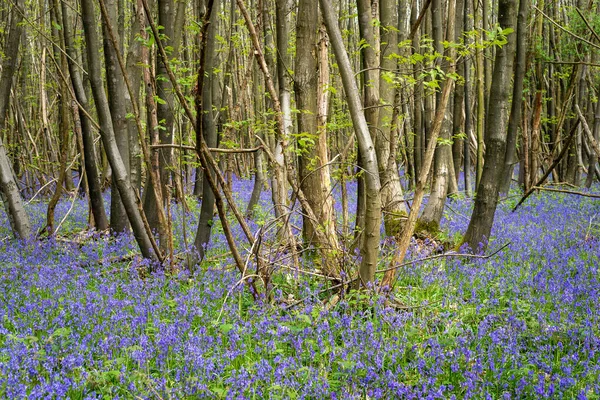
x: 337, y: 91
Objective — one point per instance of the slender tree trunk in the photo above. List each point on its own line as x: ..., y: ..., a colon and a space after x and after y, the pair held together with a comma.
x: 210, y: 135
x: 13, y: 203
x: 92, y: 172
x: 119, y: 170
x: 482, y: 218
x: 135, y: 73
x: 392, y: 199
x: 432, y: 214
x: 419, y: 140
x: 458, y: 119
x: 593, y: 158
x: 63, y: 118
x: 371, y: 234
x: 517, y: 97
x: 116, y: 89
x: 480, y: 102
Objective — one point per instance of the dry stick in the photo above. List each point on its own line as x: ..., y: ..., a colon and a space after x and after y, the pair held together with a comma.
x: 155, y: 181
x: 547, y: 189
x: 291, y: 174
x: 588, y: 132
x: 211, y: 149
x: 415, y: 27
x: 445, y: 255
x: 587, y: 24
x: 409, y: 228
x: 566, y: 30
x: 201, y: 148
x: 554, y: 164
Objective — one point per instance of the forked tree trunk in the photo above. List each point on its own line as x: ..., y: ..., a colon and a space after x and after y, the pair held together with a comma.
x: 13, y: 203
x: 115, y: 86
x: 92, y: 172
x: 126, y: 191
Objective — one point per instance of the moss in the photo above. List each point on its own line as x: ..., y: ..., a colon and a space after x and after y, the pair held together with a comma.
x: 394, y: 222
x: 427, y: 227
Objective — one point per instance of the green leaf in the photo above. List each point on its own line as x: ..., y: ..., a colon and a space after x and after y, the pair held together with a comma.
x: 225, y: 328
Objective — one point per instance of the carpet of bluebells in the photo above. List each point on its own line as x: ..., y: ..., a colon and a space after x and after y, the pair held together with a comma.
x: 521, y: 324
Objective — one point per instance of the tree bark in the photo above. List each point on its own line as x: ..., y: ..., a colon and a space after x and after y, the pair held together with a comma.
x: 514, y: 120
x: 92, y: 172
x: 119, y: 170
x: 13, y: 203
x: 115, y: 86
x: 482, y: 218
x: 432, y: 214
x: 392, y: 198
x: 371, y: 235
x: 310, y: 77
x: 209, y: 134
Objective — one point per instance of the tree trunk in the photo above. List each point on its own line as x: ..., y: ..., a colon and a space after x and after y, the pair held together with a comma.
x: 514, y: 120
x: 90, y: 158
x: 13, y: 203
x: 593, y: 158
x: 115, y: 86
x: 432, y: 214
x: 482, y: 218
x: 392, y: 198
x: 467, y: 141
x: 371, y: 235
x: 310, y: 76
x: 209, y: 134
x: 119, y: 170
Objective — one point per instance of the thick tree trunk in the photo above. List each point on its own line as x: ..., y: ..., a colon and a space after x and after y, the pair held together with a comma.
x: 13, y: 203
x: 482, y: 218
x: 119, y: 170
x: 311, y: 74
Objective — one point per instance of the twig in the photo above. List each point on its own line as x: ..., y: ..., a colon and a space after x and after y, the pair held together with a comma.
x: 546, y: 189
x: 467, y: 255
x: 554, y: 164
x: 213, y: 149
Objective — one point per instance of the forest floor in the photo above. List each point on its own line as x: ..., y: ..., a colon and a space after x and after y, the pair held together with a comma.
x: 78, y: 321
